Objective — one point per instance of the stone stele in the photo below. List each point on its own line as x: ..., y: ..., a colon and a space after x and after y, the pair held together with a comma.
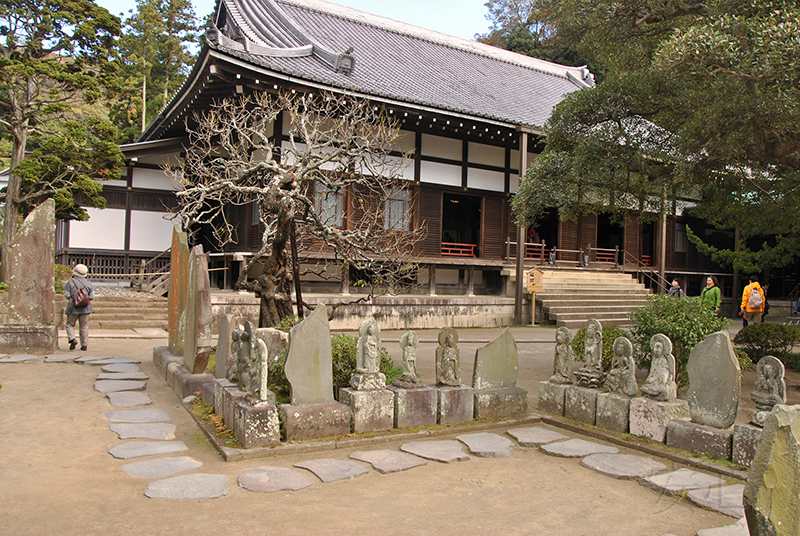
x: 226, y: 326
x: 178, y: 283
x: 496, y: 364
x: 716, y: 382
x: 309, y: 364
x: 771, y: 495
x: 196, y: 325
x: 31, y: 269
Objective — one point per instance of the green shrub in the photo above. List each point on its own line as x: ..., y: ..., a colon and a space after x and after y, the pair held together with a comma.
x: 287, y: 322
x: 685, y: 321
x: 62, y: 275
x: 610, y: 334
x: 759, y: 340
x: 792, y: 361
x: 343, y: 350
x: 745, y: 363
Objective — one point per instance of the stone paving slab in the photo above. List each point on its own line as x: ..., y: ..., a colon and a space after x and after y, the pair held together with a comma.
x: 576, y: 448
x: 129, y: 399
x: 123, y: 376
x: 388, y: 461
x: 19, y: 358
x: 161, y: 467
x: 726, y: 500
x: 121, y: 367
x: 111, y: 361
x: 85, y: 358
x: 112, y: 386
x: 487, y: 445
x: 623, y: 466
x: 268, y: 479
x: 737, y: 529
x: 332, y: 470
x: 139, y: 449
x: 679, y: 481
x: 59, y: 358
x: 199, y: 486
x: 534, y: 436
x: 138, y: 415
x: 144, y: 430
x: 441, y: 451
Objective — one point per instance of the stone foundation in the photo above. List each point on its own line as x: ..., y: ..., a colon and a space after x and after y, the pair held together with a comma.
x: 414, y: 408
x: 162, y: 358
x: 314, y: 421
x: 454, y: 404
x: 256, y: 425
x: 180, y: 380
x: 580, y: 404
x: 500, y: 403
x: 613, y: 412
x: 700, y: 438
x: 370, y: 411
x: 745, y: 443
x: 649, y: 418
x: 551, y: 397
x: 28, y: 339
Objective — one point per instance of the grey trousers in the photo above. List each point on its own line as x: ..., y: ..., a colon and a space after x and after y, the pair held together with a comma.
x: 84, y: 330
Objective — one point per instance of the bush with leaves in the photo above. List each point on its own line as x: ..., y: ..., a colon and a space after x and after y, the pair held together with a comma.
x: 686, y: 321
x: 610, y: 334
x: 343, y: 352
x: 758, y: 340
x: 62, y: 274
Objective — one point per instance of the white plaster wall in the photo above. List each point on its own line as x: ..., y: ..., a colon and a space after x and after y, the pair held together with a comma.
x: 486, y: 180
x: 392, y: 167
x: 150, y: 231
x: 515, y: 159
x: 151, y: 178
x: 441, y: 147
x: 161, y: 159
x: 289, y: 155
x: 435, y: 173
x: 487, y: 154
x: 513, y: 183
x: 405, y: 142
x: 104, y: 230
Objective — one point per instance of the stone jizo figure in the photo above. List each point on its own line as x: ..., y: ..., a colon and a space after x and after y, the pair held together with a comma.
x: 409, y: 380
x: 591, y: 372
x: 252, y: 370
x: 448, y: 359
x: 622, y: 377
x: 660, y: 383
x: 770, y: 388
x: 368, y: 359
x: 564, y: 357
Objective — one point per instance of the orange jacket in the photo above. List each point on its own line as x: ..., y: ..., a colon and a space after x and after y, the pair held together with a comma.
x: 746, y: 296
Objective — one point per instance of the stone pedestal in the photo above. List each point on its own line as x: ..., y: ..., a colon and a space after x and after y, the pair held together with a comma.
x: 454, y: 404
x: 367, y: 381
x: 551, y: 397
x: 315, y: 421
x: 580, y: 404
x: 370, y: 411
x: 15, y: 338
x: 613, y: 412
x: 230, y: 396
x: 649, y: 418
x: 162, y: 358
x: 745, y: 443
x: 256, y: 425
x: 700, y: 438
x: 220, y: 384
x: 414, y: 408
x: 500, y: 403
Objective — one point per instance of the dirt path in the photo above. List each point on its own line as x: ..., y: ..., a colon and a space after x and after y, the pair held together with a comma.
x: 56, y: 476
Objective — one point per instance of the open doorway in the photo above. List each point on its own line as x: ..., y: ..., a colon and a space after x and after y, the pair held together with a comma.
x: 461, y: 225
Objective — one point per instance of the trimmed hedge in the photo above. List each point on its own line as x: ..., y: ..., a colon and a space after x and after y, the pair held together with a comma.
x: 610, y: 334
x: 758, y: 340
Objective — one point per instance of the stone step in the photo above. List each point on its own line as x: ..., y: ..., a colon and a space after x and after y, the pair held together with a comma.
x: 98, y: 316
x: 100, y: 308
x: 581, y: 323
x: 567, y: 295
x: 556, y: 311
x: 126, y: 324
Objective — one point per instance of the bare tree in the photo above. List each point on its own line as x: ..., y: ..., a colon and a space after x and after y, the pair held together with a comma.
x: 335, y: 179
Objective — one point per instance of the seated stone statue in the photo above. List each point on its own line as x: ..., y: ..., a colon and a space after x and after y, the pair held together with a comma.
x: 622, y: 377
x: 564, y: 357
x: 448, y: 368
x: 660, y: 383
x: 770, y: 388
x: 409, y: 380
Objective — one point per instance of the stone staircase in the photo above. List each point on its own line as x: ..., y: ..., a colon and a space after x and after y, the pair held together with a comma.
x: 571, y: 297
x: 113, y: 312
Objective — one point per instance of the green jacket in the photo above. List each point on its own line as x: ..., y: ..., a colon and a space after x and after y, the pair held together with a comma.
x: 711, y: 297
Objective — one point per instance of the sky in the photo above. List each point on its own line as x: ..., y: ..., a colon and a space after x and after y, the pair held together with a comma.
x: 462, y: 18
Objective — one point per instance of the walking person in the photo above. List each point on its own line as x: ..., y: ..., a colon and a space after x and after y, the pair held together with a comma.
x: 711, y: 296
x: 752, y: 302
x: 78, y: 310
x: 675, y: 291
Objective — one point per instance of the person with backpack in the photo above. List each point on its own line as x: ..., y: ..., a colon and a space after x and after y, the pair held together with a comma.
x: 79, y: 293
x: 752, y: 302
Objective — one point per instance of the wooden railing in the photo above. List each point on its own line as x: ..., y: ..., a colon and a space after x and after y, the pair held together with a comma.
x: 644, y: 271
x: 459, y: 250
x: 605, y: 255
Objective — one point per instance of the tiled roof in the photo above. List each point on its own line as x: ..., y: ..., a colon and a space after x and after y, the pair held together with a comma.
x: 305, y: 38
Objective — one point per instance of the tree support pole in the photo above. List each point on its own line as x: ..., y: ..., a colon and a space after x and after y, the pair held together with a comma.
x: 520, y: 282
x: 296, y: 271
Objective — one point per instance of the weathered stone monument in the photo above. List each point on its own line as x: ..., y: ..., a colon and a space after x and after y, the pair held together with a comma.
x: 713, y: 398
x: 30, y: 323
x: 454, y: 400
x: 414, y: 402
x: 771, y: 502
x: 580, y: 401
x: 371, y: 404
x: 651, y: 414
x: 552, y: 393
x: 494, y: 380
x: 770, y: 390
x: 613, y: 407
x: 313, y: 412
